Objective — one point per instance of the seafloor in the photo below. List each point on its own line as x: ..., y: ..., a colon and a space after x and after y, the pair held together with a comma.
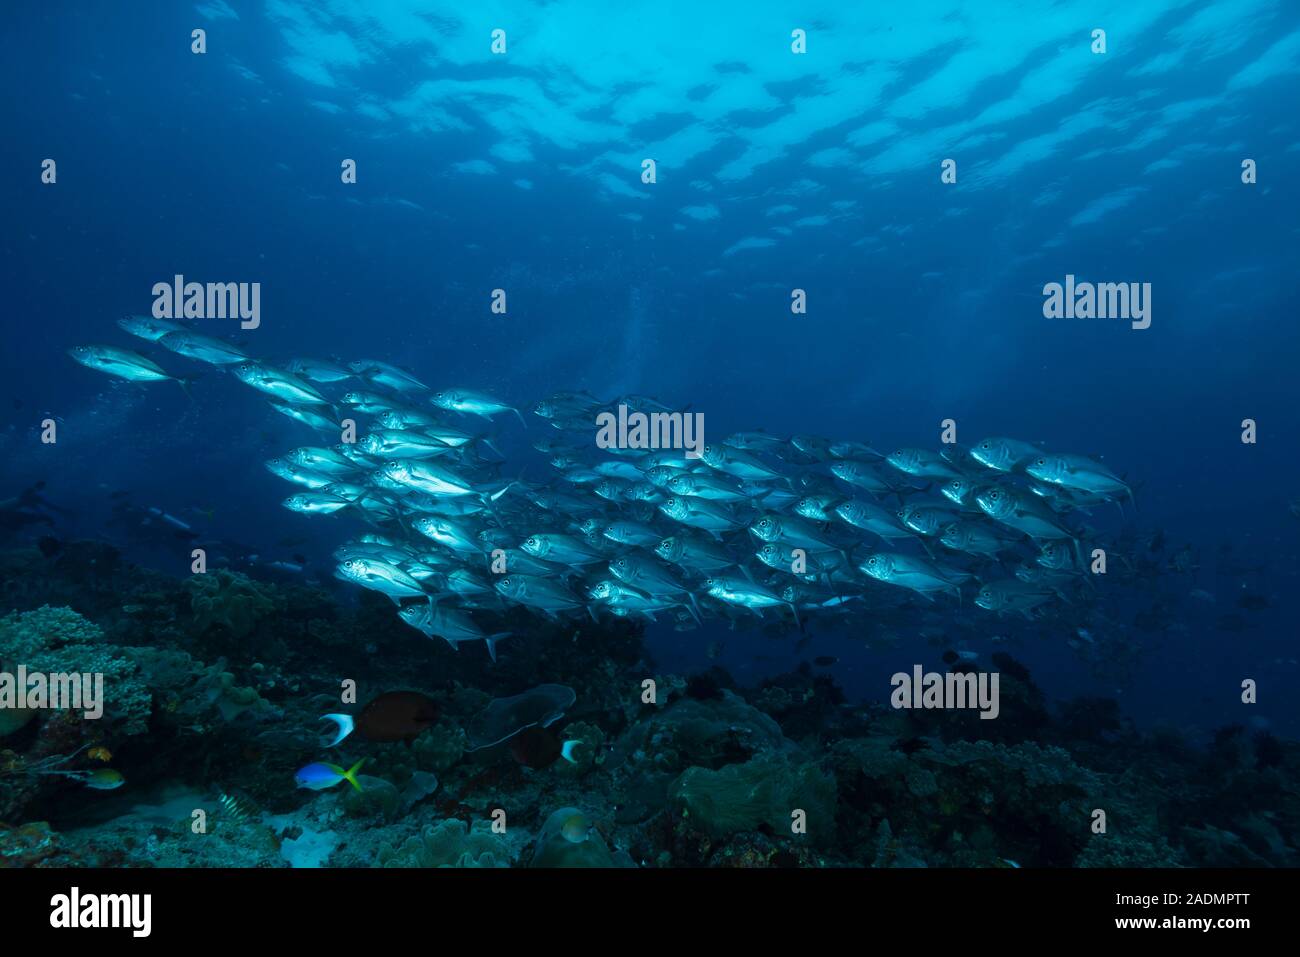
x: 216, y: 684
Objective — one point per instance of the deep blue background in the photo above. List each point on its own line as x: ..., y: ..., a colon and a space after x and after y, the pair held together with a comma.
x: 171, y: 162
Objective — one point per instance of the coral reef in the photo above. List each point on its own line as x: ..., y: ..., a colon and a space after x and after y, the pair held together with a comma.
x: 450, y: 843
x: 215, y: 686
x: 229, y: 600
x: 771, y: 792
x: 58, y: 641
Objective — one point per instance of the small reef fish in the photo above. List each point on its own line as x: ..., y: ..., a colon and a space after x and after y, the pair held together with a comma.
x: 576, y: 828
x: 101, y: 779
x: 321, y: 777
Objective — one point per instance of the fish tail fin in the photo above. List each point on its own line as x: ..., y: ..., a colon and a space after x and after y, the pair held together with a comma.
x: 489, y: 441
x: 567, y: 749
x: 491, y: 642
x: 1078, y: 551
x: 489, y: 500
x: 344, y: 724
x: 350, y: 775
x: 694, y: 609
x: 836, y: 590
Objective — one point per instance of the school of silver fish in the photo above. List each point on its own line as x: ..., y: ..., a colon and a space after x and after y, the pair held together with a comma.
x: 800, y: 525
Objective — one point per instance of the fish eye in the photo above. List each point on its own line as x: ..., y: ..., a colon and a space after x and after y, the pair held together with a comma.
x: 986, y: 445
x: 1042, y: 462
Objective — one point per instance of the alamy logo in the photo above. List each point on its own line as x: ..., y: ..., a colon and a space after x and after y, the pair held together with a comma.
x: 73, y: 910
x: 655, y: 430
x: 78, y: 691
x: 951, y: 691
x: 1104, y: 300
x: 214, y: 300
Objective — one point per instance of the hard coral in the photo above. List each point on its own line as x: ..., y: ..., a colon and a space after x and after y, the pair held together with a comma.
x: 230, y: 600
x: 58, y: 640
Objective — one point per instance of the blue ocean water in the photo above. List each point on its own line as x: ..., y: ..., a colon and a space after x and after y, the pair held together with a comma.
x: 775, y: 171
